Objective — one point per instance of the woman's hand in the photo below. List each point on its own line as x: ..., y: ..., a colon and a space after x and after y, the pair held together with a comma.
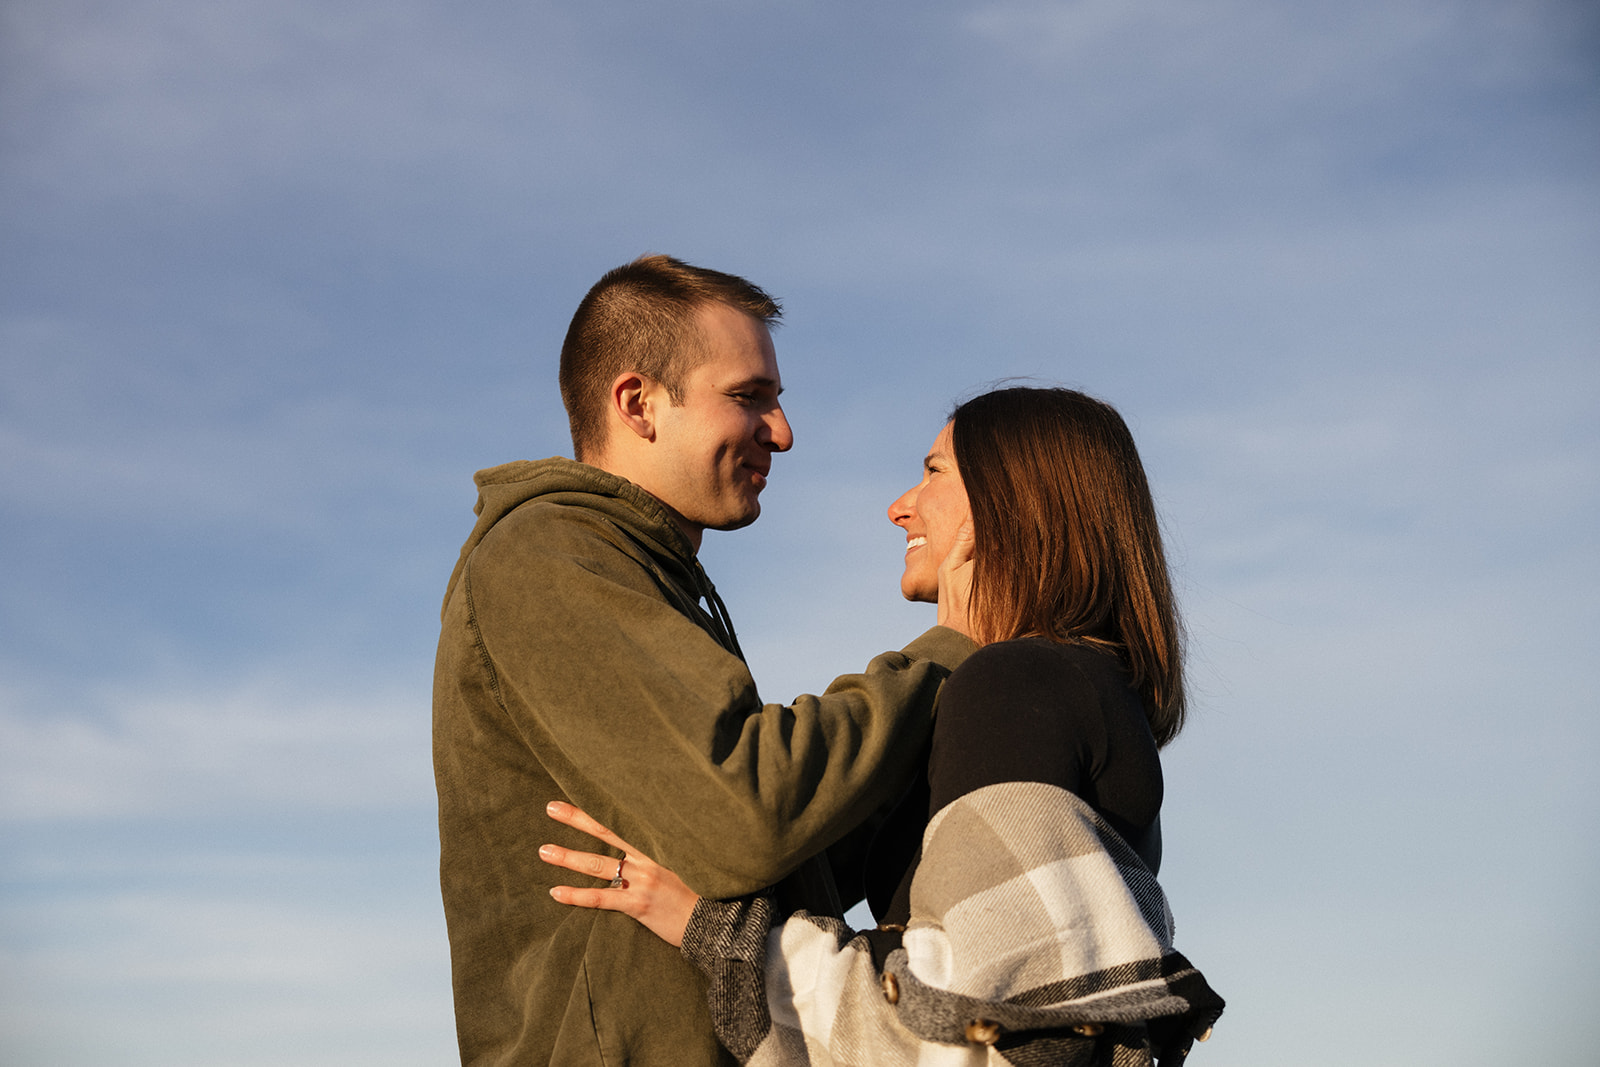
x: 955, y: 582
x: 640, y: 887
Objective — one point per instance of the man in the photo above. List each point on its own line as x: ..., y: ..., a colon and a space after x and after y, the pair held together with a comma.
x: 585, y: 656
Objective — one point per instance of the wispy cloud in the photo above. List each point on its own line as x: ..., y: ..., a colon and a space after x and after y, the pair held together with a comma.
x: 263, y: 973
x: 282, y: 274
x: 268, y: 744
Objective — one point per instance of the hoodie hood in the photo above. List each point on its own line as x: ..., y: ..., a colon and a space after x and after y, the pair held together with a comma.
x: 637, y: 514
x: 503, y: 489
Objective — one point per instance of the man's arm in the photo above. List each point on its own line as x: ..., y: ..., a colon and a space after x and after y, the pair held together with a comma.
x: 643, y: 719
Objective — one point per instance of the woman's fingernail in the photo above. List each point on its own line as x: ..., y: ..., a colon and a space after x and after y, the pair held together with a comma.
x: 546, y: 851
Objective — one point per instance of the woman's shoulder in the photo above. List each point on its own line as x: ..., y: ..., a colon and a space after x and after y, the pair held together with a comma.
x: 1038, y: 657
x: 1039, y: 684
x: 1024, y: 676
x: 1028, y: 710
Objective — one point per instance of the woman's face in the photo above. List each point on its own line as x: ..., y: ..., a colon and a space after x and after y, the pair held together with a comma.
x: 930, y: 513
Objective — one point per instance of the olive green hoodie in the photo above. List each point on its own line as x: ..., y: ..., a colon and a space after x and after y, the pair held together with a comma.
x: 585, y: 656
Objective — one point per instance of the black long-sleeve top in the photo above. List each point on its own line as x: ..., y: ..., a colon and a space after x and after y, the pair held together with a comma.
x: 1028, y: 710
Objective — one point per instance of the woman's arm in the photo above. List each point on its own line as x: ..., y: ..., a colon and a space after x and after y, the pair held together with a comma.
x: 1090, y: 918
x: 729, y: 940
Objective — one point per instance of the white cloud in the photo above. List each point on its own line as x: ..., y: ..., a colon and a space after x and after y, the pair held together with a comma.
x: 359, y: 977
x: 1336, y: 263
x: 268, y: 745
x: 390, y: 120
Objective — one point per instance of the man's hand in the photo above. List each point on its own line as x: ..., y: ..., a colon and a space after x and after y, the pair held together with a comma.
x: 955, y: 582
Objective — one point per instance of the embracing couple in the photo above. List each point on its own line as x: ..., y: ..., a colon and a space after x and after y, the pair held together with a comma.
x: 593, y: 714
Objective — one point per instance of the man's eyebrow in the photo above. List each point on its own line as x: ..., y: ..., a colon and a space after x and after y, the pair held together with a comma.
x: 757, y: 382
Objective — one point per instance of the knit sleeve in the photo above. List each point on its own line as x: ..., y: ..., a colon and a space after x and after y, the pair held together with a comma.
x: 779, y: 995
x: 727, y: 939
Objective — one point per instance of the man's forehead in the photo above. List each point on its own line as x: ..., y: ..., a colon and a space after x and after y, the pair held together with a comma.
x: 743, y: 363
x: 715, y: 318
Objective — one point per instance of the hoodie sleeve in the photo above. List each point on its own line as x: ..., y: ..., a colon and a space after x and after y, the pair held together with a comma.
x: 570, y: 667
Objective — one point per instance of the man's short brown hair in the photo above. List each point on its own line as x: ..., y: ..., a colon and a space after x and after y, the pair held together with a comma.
x: 641, y: 317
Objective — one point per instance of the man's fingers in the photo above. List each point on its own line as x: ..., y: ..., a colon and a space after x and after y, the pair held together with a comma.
x: 961, y: 544
x: 959, y: 554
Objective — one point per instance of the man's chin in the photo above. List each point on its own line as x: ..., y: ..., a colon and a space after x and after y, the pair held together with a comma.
x: 739, y: 521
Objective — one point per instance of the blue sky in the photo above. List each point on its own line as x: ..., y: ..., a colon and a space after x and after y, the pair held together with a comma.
x: 279, y: 276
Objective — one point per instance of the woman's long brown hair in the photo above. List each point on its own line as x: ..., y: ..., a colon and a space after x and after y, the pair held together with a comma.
x: 1066, y: 540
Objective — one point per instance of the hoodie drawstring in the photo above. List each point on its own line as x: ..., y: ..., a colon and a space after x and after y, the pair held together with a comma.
x: 719, y: 612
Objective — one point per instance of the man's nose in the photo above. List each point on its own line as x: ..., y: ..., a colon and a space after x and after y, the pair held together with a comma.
x: 780, y: 437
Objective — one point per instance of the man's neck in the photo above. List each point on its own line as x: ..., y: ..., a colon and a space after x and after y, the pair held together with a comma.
x: 611, y: 464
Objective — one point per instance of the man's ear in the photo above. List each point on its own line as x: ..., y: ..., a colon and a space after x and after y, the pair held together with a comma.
x: 633, y: 400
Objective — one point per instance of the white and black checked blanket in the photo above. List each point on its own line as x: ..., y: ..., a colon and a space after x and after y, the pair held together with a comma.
x: 1037, y: 936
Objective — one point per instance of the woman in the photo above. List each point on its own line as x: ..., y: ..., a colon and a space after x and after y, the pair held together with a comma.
x: 1020, y: 918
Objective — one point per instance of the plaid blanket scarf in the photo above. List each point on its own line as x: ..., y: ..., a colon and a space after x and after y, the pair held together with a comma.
x: 1037, y: 936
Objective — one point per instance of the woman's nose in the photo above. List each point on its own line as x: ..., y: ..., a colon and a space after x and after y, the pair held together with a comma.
x: 903, y: 508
